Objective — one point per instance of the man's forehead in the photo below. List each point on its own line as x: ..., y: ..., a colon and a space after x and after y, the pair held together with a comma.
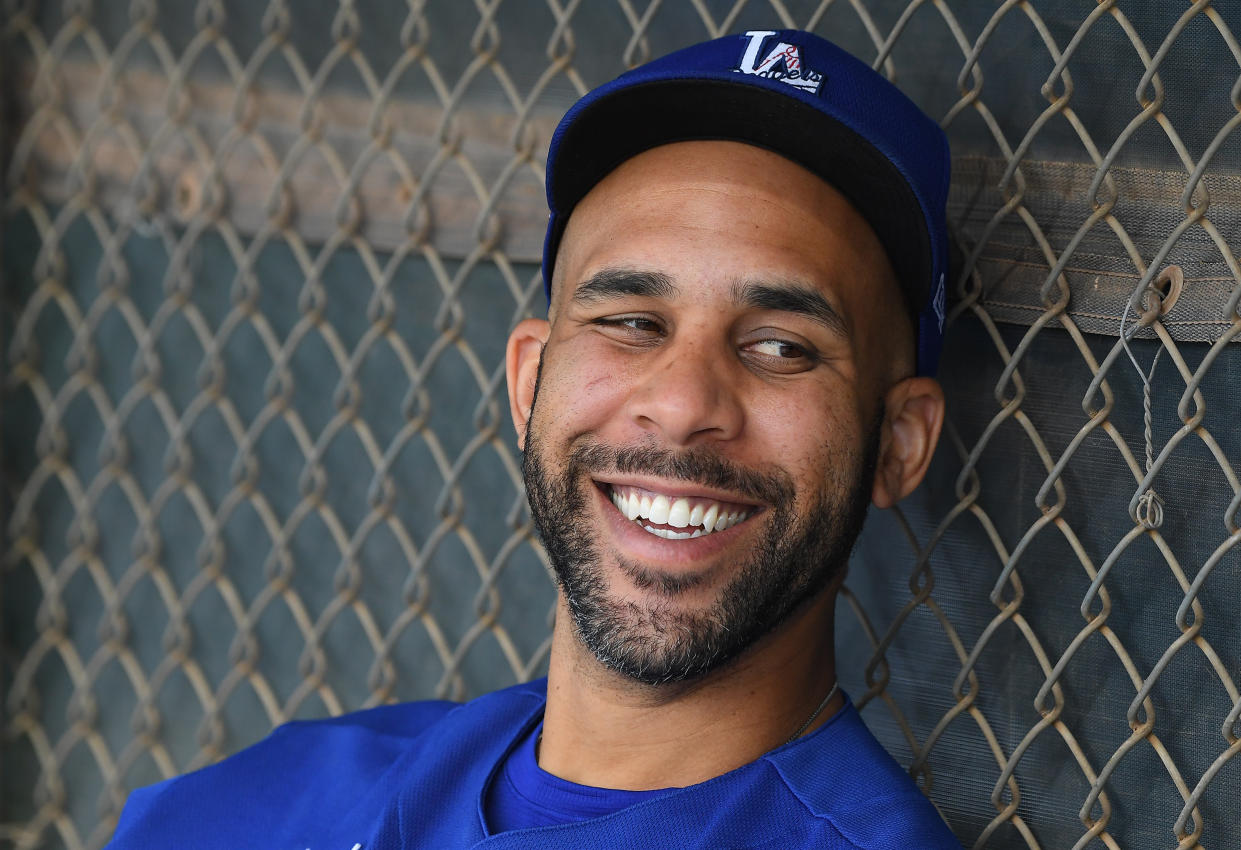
x: 656, y: 174
x: 794, y: 225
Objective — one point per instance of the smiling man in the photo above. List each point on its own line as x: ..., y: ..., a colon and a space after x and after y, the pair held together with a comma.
x: 745, y: 263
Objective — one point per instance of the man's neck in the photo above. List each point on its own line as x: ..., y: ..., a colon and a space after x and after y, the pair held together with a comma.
x: 604, y: 729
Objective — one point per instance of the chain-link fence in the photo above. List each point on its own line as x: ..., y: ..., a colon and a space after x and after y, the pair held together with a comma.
x: 259, y: 261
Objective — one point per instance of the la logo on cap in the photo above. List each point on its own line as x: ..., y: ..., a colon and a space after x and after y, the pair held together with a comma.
x: 782, y: 62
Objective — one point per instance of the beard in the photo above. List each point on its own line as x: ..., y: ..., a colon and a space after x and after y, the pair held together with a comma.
x: 661, y: 642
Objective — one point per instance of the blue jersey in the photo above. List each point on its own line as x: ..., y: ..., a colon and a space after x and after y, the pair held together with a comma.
x: 522, y: 794
x: 416, y: 776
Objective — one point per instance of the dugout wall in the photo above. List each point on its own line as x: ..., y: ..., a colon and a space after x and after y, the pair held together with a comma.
x: 258, y: 264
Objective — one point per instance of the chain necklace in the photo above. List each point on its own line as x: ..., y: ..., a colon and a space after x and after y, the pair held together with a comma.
x: 817, y: 711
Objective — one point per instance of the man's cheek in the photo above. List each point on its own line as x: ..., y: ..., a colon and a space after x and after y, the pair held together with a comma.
x: 587, y: 397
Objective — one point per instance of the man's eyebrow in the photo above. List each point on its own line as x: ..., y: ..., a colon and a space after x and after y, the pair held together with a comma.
x: 791, y: 297
x: 614, y: 283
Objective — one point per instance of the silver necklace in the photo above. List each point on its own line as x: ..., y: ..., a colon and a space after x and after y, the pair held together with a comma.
x: 817, y: 711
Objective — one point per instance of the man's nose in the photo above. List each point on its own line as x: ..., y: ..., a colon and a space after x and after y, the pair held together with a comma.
x: 689, y: 394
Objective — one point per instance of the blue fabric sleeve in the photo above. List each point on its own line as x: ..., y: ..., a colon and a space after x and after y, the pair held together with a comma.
x: 302, y: 773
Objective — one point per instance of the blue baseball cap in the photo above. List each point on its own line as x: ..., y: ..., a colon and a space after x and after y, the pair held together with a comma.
x: 794, y: 94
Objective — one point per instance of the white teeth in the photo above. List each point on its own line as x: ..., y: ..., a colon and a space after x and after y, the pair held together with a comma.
x: 678, y: 514
x: 668, y: 534
x: 696, y: 519
x: 659, y: 510
x: 708, y: 520
x: 628, y: 506
x: 632, y: 506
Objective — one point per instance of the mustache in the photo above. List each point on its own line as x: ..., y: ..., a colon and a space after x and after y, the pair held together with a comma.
x: 693, y: 466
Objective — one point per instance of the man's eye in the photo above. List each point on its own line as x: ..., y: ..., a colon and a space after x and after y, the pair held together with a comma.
x: 778, y: 348
x: 634, y: 325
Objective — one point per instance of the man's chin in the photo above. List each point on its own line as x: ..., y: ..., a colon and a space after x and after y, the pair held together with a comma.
x: 679, y: 590
x: 658, y: 650
x: 654, y: 630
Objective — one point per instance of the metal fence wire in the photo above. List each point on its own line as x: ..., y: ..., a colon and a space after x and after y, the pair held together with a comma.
x: 259, y: 261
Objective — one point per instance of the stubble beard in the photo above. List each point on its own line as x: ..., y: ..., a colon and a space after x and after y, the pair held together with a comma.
x: 660, y: 642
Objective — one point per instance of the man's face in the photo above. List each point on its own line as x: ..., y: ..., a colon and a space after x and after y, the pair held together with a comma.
x: 701, y: 452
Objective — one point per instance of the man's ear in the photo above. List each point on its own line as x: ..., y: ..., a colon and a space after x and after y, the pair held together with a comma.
x: 525, y: 350
x: 913, y: 416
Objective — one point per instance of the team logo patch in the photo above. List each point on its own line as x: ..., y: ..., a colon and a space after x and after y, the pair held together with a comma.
x: 782, y: 62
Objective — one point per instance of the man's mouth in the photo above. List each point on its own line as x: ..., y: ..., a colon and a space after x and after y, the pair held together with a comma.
x: 676, y: 517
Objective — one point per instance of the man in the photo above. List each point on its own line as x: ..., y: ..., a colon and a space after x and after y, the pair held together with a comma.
x: 745, y: 263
